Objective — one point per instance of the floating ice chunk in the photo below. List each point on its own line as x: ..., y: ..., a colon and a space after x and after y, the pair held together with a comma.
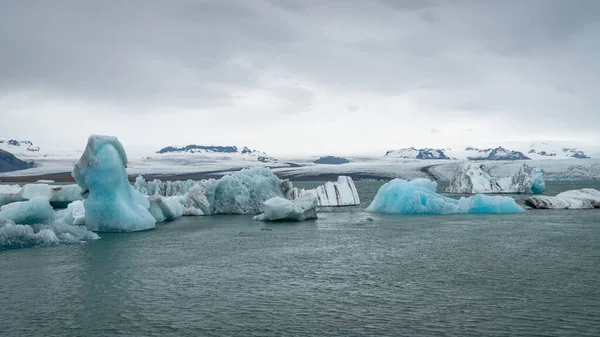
x: 471, y: 178
x: 111, y: 204
x: 278, y: 208
x: 74, y: 214
x: 419, y: 196
x: 58, y: 195
x: 9, y: 193
x: 244, y: 192
x: 45, y: 181
x: 341, y: 193
x: 196, y: 201
x: 573, y: 199
x: 33, y: 211
x: 165, y: 208
x: 164, y: 188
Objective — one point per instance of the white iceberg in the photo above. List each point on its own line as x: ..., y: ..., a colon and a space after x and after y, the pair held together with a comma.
x: 58, y: 195
x: 470, y: 178
x: 165, y: 208
x: 278, y: 209
x: 574, y: 199
x: 9, y: 194
x: 111, y: 203
x: 36, y: 210
x: 418, y: 196
x: 341, y: 193
x: 22, y: 236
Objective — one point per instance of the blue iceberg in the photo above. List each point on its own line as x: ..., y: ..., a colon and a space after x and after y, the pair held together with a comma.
x: 538, y: 185
x: 419, y: 196
x: 111, y: 203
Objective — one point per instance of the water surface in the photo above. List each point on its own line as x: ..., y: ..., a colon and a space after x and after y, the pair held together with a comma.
x: 349, y: 273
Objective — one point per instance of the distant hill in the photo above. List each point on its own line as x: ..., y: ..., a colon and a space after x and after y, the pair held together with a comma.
x: 9, y: 163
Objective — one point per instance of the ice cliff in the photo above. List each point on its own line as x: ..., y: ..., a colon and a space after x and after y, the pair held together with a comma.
x: 418, y: 196
x: 470, y: 178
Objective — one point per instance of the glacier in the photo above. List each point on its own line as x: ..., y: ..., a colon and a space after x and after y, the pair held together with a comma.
x: 341, y: 193
x: 418, y: 196
x: 111, y: 203
x: 281, y: 209
x: 471, y: 178
x: 574, y: 199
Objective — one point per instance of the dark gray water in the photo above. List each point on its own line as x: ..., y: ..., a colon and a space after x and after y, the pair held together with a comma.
x: 349, y: 273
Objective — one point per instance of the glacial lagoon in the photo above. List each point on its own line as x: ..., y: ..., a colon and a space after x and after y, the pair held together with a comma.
x: 348, y: 273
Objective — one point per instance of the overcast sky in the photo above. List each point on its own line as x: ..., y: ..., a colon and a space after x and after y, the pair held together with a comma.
x: 300, y: 76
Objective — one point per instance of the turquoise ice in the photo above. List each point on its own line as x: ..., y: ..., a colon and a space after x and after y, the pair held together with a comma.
x: 111, y: 203
x: 419, y: 196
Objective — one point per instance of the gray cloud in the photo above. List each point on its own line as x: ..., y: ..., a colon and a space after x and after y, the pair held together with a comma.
x: 468, y: 60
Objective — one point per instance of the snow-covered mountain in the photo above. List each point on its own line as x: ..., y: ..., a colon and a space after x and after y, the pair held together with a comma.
x: 18, y: 146
x: 552, y: 150
x: 217, y: 150
x: 413, y: 153
x: 498, y: 153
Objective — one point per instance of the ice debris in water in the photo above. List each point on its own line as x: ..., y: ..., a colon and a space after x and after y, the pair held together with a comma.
x: 41, y: 226
x: 573, y: 199
x: 111, y: 203
x: 471, y: 178
x: 302, y: 208
x: 33, y: 211
x: 418, y: 196
x: 341, y: 193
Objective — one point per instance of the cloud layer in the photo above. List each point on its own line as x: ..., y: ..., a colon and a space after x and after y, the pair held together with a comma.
x: 344, y: 76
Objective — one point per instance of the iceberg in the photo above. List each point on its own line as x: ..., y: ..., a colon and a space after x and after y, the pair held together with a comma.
x: 341, y: 193
x: 244, y: 192
x: 163, y: 188
x: 74, y: 214
x: 58, y: 195
x: 9, y: 194
x: 574, y: 199
x: 280, y: 209
x: 111, y: 203
x: 36, y: 210
x: 165, y: 208
x: 471, y: 178
x: 418, y: 196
